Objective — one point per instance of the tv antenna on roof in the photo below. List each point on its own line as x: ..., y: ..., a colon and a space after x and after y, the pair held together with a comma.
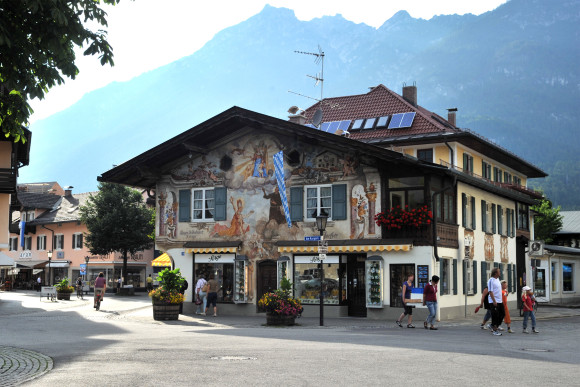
x: 319, y: 78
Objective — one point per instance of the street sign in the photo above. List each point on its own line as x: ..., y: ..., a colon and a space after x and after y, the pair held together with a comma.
x: 312, y: 238
x: 322, y: 257
x: 322, y: 247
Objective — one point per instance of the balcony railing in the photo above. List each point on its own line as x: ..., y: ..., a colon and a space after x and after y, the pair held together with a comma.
x: 447, y: 234
x: 7, y: 180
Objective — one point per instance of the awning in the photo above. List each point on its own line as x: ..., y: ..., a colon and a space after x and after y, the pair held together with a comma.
x: 198, y: 247
x: 59, y: 264
x: 30, y: 264
x: 6, y: 261
x: 345, y: 246
x: 162, y: 260
x: 36, y: 271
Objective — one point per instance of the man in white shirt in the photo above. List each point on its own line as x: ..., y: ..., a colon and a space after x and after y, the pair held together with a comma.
x: 201, y: 294
x: 495, y: 301
x: 39, y: 282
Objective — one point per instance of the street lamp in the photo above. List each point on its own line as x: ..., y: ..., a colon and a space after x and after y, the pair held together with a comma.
x: 87, y: 259
x: 49, y: 254
x: 321, y: 225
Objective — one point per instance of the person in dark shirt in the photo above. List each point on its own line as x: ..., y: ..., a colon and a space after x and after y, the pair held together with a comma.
x: 430, y: 300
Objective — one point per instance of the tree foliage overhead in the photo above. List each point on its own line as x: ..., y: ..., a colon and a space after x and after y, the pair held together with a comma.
x: 547, y: 222
x: 37, y: 42
x: 117, y: 220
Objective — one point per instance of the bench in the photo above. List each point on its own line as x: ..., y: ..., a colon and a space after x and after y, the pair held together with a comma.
x: 49, y: 292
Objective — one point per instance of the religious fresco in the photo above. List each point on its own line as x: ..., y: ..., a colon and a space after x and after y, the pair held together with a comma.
x: 255, y: 213
x: 504, y: 249
x: 489, y: 248
x: 469, y: 234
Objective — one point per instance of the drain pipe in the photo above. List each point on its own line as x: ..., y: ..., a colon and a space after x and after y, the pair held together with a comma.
x: 452, y: 154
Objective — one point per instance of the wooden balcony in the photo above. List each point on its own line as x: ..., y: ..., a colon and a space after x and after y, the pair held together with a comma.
x: 447, y: 233
x: 7, y: 180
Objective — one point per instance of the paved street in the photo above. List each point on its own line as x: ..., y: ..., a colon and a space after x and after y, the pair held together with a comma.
x: 68, y: 343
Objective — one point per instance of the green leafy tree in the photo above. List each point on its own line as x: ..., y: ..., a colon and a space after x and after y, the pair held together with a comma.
x: 37, y: 42
x: 547, y: 222
x: 117, y: 220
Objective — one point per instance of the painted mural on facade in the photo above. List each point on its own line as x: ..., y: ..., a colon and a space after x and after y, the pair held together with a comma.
x: 255, y: 213
x: 504, y: 249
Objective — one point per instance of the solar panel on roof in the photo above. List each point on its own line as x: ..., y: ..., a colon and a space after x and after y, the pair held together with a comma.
x: 311, y: 126
x: 333, y: 126
x: 344, y: 125
x: 396, y: 121
x: 370, y: 122
x: 407, y: 120
x: 357, y: 124
x: 383, y: 121
x: 324, y: 126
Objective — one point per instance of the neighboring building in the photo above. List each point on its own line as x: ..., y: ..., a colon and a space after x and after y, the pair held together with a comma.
x: 52, y: 223
x: 557, y: 276
x: 219, y: 210
x: 13, y: 155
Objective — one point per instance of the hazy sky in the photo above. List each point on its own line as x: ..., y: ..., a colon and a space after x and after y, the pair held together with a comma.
x: 146, y: 34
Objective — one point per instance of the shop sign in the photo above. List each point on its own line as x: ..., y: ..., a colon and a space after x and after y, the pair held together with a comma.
x: 316, y: 259
x: 214, y: 258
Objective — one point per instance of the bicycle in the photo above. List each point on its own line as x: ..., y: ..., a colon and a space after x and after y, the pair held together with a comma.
x: 98, y: 298
x: 80, y: 292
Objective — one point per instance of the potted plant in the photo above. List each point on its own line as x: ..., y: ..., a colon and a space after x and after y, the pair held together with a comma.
x: 167, y: 297
x: 63, y: 290
x: 281, y: 308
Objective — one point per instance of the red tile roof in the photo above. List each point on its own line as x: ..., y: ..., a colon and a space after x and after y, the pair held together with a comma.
x: 380, y: 101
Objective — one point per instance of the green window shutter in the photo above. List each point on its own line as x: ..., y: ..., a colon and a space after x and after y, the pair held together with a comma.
x: 296, y: 204
x: 508, y: 223
x: 499, y: 220
x: 483, y: 216
x: 470, y: 164
x: 339, y: 202
x: 509, y: 278
x: 455, y: 276
x: 501, y: 266
x: 513, y: 223
x: 464, y: 209
x: 483, y: 274
x: 465, y: 162
x: 441, y: 279
x: 473, y: 219
x: 185, y: 205
x: 475, y: 277
x: 483, y: 168
x: 493, y: 219
x: 221, y: 203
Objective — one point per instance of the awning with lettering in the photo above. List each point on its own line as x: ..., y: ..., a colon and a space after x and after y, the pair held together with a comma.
x: 346, y: 246
x: 197, y: 247
x: 163, y: 260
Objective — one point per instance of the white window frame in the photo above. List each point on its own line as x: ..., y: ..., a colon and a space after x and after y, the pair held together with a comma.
x: 43, y: 244
x: 573, y: 276
x: 203, y: 202
x: 318, y: 200
x: 76, y: 240
x: 13, y: 244
x: 554, y: 288
x: 27, y: 242
x: 57, y: 245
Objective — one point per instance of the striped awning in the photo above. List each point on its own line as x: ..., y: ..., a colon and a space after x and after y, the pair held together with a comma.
x: 206, y: 247
x: 345, y: 249
x: 162, y: 260
x: 201, y: 250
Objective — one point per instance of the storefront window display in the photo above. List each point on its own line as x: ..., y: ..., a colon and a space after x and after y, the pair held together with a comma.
x: 307, y: 280
x: 240, y: 279
x: 222, y: 267
x: 283, y: 263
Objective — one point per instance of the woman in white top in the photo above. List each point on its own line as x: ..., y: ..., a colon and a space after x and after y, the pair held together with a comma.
x: 201, y: 295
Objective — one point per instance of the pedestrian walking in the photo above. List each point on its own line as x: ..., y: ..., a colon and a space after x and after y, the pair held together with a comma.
x: 528, y: 301
x: 119, y: 283
x: 506, y: 319
x: 149, y: 283
x: 484, y: 304
x: 430, y: 300
x: 213, y: 286
x: 495, y: 299
x: 407, y: 309
x: 201, y: 293
x: 39, y: 282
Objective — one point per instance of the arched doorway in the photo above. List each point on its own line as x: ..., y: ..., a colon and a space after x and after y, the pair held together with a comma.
x: 267, y: 279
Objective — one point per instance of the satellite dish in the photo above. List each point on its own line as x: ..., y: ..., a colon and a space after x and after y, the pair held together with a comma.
x: 317, y: 119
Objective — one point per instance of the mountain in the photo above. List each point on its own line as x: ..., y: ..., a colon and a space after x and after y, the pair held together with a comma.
x: 512, y: 72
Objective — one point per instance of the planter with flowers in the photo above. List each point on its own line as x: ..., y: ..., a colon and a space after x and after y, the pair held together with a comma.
x: 404, y: 221
x: 63, y: 289
x: 167, y: 297
x: 280, y: 307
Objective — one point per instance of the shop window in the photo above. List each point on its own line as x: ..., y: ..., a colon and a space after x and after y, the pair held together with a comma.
x: 554, y: 277
x: 58, y: 242
x: 221, y: 266
x: 425, y: 154
x: 318, y: 201
x: 13, y: 244
x: 41, y: 242
x: 27, y: 243
x: 445, y: 274
x: 77, y: 241
x: 568, y: 277
x: 203, y: 204
x: 307, y: 280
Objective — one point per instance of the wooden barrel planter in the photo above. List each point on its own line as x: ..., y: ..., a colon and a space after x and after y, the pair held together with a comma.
x: 163, y: 311
x: 63, y: 296
x: 275, y: 319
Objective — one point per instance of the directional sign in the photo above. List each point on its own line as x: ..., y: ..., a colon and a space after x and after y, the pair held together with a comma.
x: 312, y: 238
x: 322, y: 257
x: 322, y: 247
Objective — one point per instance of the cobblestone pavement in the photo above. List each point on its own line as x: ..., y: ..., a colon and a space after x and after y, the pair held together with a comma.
x: 19, y: 365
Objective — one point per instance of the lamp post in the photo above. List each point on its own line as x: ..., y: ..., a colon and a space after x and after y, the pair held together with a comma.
x: 49, y: 254
x: 321, y: 225
x: 87, y: 258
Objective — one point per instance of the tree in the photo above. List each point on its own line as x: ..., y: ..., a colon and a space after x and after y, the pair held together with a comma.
x: 117, y: 220
x: 547, y: 222
x: 37, y: 42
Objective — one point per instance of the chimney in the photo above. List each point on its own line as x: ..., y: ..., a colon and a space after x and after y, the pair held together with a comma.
x: 297, y: 119
x: 68, y: 191
x: 410, y: 94
x: 451, y: 116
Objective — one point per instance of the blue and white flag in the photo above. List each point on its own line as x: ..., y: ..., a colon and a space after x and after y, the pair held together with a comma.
x: 279, y: 168
x: 22, y: 226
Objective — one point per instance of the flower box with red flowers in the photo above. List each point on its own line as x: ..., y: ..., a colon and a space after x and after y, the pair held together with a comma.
x: 398, y: 218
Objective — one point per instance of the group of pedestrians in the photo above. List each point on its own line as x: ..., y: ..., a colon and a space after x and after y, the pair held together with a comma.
x: 206, y: 295
x: 429, y: 300
x: 494, y: 301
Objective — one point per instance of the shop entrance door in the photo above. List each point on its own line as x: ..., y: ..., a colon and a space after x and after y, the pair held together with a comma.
x: 355, y: 273
x: 398, y: 276
x: 267, y: 279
